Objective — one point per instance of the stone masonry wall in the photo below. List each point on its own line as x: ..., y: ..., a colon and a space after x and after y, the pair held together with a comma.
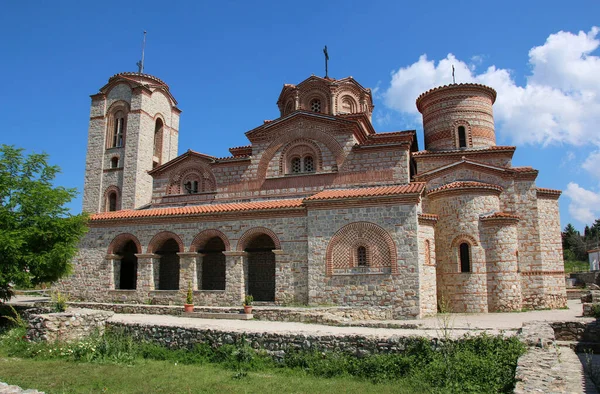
x: 365, y: 286
x: 427, y: 268
x: 66, y: 326
x: 459, y: 220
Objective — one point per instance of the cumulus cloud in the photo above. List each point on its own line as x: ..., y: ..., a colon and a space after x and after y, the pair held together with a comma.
x: 584, y: 205
x: 558, y: 104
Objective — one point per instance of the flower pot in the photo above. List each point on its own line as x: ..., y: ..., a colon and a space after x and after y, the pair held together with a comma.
x: 188, y: 307
x: 247, y: 309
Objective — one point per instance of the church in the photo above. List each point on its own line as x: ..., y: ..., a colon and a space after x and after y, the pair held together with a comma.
x: 318, y: 209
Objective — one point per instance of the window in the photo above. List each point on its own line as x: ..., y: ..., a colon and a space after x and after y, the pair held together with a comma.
x: 296, y: 165
x: 158, y: 140
x: 309, y: 164
x: 462, y: 137
x: 315, y: 105
x: 465, y: 257
x: 112, y: 202
x: 191, y: 187
x: 289, y: 108
x: 114, y: 162
x: 116, y: 130
x: 302, y: 165
x: 361, y: 256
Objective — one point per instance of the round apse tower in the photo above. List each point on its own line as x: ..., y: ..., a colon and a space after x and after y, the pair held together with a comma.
x: 458, y: 116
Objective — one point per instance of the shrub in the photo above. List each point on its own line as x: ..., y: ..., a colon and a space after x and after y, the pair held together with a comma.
x: 59, y: 301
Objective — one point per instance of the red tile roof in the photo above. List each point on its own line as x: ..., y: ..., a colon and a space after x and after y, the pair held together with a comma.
x: 499, y: 215
x: 549, y: 191
x: 207, y: 209
x: 455, y: 86
x: 465, y: 151
x: 465, y: 185
x: 523, y: 169
x: 428, y: 216
x: 379, y: 191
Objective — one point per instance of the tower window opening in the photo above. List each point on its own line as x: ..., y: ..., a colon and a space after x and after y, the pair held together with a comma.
x: 315, y: 105
x: 158, y: 141
x: 361, y: 256
x: 465, y: 257
x: 114, y: 162
x: 112, y: 202
x: 462, y: 137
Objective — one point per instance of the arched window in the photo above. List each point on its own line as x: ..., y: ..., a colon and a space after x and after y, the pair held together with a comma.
x: 315, y: 105
x: 361, y: 256
x: 309, y: 164
x: 114, y: 162
x: 158, y: 142
x: 112, y: 202
x: 296, y: 165
x: 191, y: 187
x: 348, y: 105
x: 462, y: 137
x: 116, y: 130
x: 289, y: 108
x: 465, y: 257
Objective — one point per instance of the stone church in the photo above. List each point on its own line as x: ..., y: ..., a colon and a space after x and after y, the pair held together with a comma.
x: 318, y: 208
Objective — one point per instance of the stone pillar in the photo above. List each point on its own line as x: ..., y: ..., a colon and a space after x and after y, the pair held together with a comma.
x: 113, y: 264
x: 145, y: 277
x: 199, y: 265
x: 235, y: 276
x: 187, y: 271
x: 282, y: 275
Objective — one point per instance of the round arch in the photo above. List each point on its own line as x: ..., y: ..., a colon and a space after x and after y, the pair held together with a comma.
x: 380, y: 246
x: 121, y: 240
x: 311, y: 134
x: 460, y: 238
x: 202, y: 237
x: 251, y: 233
x: 161, y: 237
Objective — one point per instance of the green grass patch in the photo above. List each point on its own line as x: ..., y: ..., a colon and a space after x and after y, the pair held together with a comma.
x: 480, y: 364
x: 576, y: 266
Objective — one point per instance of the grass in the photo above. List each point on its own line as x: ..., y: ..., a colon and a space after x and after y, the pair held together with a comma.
x: 481, y: 364
x: 576, y: 266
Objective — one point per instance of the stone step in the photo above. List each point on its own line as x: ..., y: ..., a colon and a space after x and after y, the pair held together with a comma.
x: 214, y: 315
x: 580, y: 346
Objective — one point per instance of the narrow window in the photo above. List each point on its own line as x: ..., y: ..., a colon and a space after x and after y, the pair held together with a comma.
x: 296, y: 165
x: 309, y: 164
x: 114, y: 162
x: 112, y: 202
x: 462, y: 137
x: 465, y: 258
x: 195, y: 187
x: 158, y: 140
x: 361, y: 256
x: 315, y: 105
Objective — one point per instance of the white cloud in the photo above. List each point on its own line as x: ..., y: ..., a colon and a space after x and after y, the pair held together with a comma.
x: 584, y: 205
x: 592, y: 164
x: 558, y: 104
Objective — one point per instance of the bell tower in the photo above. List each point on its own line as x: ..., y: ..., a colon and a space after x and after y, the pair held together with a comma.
x: 134, y: 127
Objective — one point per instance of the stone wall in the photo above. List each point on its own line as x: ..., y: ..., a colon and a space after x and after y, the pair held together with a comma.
x: 66, y: 326
x: 427, y: 268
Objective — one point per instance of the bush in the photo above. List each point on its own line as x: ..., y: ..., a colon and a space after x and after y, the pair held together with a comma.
x: 59, y: 302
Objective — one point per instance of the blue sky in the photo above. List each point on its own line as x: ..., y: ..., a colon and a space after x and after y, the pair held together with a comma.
x: 226, y: 62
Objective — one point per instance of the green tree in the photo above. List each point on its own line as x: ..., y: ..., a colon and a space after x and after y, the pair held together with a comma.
x: 38, y: 236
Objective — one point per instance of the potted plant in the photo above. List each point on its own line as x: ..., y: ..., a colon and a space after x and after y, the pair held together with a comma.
x: 189, y: 300
x: 248, y: 300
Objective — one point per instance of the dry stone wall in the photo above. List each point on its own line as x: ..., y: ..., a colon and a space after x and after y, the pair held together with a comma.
x: 66, y: 326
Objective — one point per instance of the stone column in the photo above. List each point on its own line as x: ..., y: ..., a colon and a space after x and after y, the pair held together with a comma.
x: 145, y: 277
x: 282, y: 277
x: 235, y: 272
x: 187, y: 271
x: 113, y: 265
x: 199, y: 265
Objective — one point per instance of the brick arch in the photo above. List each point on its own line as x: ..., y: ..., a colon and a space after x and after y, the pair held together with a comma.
x: 380, y: 247
x: 206, y: 235
x: 161, y: 237
x: 464, y: 237
x: 468, y: 132
x: 248, y: 235
x: 311, y: 134
x: 107, y: 192
x: 316, y: 151
x: 120, y: 240
x: 206, y: 178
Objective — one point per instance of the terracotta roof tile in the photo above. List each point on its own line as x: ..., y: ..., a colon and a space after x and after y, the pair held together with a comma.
x: 207, y: 209
x: 379, y: 191
x: 465, y: 185
x: 465, y: 151
x: 455, y: 86
x: 499, y: 215
x: 523, y: 169
x: 549, y: 191
x: 428, y: 216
